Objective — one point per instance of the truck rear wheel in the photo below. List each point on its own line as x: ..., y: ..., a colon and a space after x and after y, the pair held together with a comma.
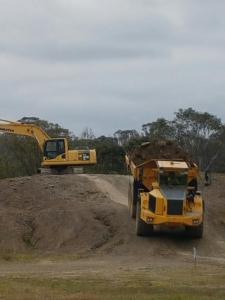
x: 195, y: 231
x: 142, y: 229
x: 131, y: 206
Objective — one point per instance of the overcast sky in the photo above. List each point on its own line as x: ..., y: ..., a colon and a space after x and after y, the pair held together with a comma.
x: 111, y: 64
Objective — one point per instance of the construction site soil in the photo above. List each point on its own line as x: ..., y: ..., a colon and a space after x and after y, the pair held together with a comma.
x: 87, y: 215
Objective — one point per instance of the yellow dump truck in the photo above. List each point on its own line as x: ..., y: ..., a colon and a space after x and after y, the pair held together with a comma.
x: 165, y: 192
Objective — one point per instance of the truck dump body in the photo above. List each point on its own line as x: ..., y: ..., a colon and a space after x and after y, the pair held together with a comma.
x: 161, y: 150
x: 164, y: 190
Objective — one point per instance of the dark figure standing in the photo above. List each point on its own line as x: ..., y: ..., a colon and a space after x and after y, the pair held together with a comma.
x: 207, y: 178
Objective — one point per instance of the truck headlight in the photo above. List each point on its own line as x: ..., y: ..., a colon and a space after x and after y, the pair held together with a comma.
x: 195, y: 221
x: 150, y: 219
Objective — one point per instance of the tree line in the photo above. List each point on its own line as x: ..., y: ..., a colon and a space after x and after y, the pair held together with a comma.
x: 199, y: 133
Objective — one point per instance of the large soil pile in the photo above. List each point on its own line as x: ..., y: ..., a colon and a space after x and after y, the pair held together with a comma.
x: 157, y: 150
x: 56, y: 214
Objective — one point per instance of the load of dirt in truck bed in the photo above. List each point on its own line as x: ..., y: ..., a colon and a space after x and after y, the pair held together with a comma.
x: 157, y: 150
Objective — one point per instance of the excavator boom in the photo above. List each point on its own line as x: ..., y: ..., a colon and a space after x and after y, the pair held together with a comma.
x: 31, y: 130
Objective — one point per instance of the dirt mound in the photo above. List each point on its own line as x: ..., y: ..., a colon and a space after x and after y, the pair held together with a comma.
x: 157, y: 150
x: 55, y: 214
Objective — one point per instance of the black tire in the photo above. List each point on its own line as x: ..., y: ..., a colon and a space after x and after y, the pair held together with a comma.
x: 195, y: 231
x: 142, y: 229
x: 131, y: 205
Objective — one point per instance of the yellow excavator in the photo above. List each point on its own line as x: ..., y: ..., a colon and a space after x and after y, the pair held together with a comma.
x: 57, y: 158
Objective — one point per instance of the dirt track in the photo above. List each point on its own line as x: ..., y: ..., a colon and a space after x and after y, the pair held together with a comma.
x: 86, y: 216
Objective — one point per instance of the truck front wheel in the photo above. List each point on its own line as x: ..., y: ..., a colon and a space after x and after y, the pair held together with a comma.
x: 142, y: 229
x: 195, y: 231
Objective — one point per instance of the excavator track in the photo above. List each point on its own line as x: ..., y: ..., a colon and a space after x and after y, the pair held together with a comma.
x: 61, y: 171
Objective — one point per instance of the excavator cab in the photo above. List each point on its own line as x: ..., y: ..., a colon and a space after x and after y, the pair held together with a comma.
x: 54, y: 148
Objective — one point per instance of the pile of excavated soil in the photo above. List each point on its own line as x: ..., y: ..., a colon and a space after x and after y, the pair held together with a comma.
x: 157, y: 150
x: 54, y: 214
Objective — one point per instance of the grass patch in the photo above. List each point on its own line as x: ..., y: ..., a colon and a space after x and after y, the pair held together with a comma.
x: 161, y: 285
x: 32, y: 256
x: 10, y: 256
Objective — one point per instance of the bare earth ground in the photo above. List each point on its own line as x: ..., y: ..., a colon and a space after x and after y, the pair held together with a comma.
x: 75, y: 229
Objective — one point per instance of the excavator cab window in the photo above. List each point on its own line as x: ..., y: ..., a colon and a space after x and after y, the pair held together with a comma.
x: 53, y: 148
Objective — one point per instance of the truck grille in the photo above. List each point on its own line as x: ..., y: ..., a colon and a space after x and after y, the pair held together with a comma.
x: 174, y: 207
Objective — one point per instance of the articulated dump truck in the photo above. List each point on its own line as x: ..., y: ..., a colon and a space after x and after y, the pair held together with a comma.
x: 164, y: 189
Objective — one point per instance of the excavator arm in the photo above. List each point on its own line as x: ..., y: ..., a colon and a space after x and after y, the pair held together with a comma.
x: 31, y: 130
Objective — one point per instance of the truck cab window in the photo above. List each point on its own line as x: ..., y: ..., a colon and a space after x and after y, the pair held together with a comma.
x: 173, y: 179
